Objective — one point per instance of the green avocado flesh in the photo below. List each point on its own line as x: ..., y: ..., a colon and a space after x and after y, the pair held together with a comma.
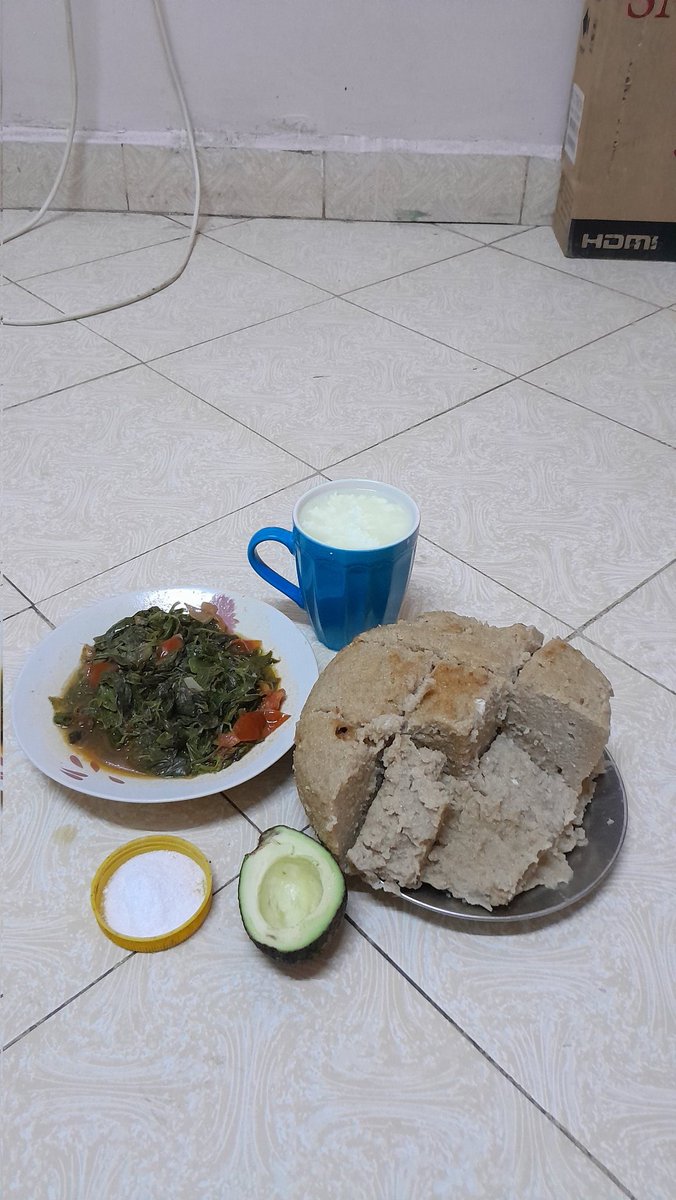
x: 292, y: 894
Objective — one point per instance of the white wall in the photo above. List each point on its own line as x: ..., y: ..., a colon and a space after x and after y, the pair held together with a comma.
x: 303, y: 74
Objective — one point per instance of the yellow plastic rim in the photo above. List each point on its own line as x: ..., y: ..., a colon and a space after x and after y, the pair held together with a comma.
x: 143, y: 845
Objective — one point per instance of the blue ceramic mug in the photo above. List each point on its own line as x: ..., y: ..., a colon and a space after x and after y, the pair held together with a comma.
x: 344, y: 591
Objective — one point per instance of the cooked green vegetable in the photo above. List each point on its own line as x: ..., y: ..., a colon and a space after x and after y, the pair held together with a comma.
x: 171, y: 693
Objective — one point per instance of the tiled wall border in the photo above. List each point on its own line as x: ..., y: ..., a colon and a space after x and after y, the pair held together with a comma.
x: 368, y: 186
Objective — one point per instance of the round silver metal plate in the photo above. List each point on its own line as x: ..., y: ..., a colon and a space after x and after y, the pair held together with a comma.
x: 605, y: 823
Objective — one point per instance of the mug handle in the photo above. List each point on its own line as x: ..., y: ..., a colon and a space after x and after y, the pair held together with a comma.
x: 272, y: 533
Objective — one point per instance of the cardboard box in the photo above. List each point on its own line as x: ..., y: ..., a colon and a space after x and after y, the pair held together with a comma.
x: 617, y: 197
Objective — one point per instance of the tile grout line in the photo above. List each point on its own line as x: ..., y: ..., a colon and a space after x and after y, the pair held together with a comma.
x: 523, y: 191
x: 374, y: 283
x: 524, y: 599
x: 222, y: 886
x: 469, y: 400
x: 168, y: 542
x: 224, y: 245
x: 523, y: 377
x: 595, y: 411
x: 81, y: 383
x: 88, y: 987
x: 33, y: 296
x: 493, y: 1062
x: 432, y: 224
x: 38, y: 612
x: 625, y: 596
x: 322, y: 473
x: 31, y: 606
x: 323, y: 185
x: 229, y: 417
x: 125, y: 175
x: 149, y: 364
x: 580, y: 631
x: 411, y: 428
x: 515, y: 233
x: 107, y: 257
x: 88, y: 262
x: 534, y: 262
x: 16, y: 589
x: 346, y: 297
x: 241, y: 812
x: 618, y: 658
x: 146, y: 362
x: 471, y: 249
x: 571, y: 275
x: 384, y: 440
x: 75, y: 996
x: 574, y: 632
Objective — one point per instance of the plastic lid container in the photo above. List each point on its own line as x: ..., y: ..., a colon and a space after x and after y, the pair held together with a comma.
x: 123, y: 854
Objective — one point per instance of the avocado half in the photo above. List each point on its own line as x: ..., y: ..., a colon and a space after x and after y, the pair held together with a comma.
x: 292, y: 895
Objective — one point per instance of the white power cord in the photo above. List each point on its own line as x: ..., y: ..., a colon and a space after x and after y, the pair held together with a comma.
x: 192, y: 236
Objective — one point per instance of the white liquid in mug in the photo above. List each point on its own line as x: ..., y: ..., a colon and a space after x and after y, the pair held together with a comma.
x: 355, y: 520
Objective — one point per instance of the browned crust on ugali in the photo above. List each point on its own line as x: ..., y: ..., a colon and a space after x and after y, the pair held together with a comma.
x: 450, y: 751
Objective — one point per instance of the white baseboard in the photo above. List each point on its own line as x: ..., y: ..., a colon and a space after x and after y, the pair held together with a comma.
x: 312, y: 143
x: 343, y: 178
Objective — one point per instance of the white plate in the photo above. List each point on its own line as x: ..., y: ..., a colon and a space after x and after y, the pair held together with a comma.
x: 54, y: 660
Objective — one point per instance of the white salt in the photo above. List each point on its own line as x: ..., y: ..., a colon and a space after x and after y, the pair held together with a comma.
x: 153, y: 893
x: 357, y: 520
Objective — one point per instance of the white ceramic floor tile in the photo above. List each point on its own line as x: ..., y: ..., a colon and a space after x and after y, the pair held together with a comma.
x: 578, y: 1009
x: 41, y: 359
x: 339, y: 255
x: 501, y: 308
x: 486, y: 233
x: 440, y: 581
x: 272, y: 798
x: 65, y: 239
x: 651, y: 281
x: 642, y: 629
x: 219, y: 291
x: 565, y: 507
x: 98, y: 473
x: 11, y: 601
x: 53, y: 842
x: 214, y: 555
x: 628, y: 375
x: 208, y: 1068
x: 329, y: 380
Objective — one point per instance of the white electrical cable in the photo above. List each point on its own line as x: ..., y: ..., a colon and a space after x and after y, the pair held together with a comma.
x: 192, y: 236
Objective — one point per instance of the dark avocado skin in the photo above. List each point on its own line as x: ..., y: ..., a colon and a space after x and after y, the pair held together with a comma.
x: 289, y: 957
x: 296, y: 956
